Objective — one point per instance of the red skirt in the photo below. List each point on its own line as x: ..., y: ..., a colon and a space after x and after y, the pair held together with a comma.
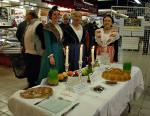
x: 108, y: 49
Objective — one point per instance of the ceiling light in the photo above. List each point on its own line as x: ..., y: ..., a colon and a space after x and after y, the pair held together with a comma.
x: 50, y: 6
x: 64, y: 9
x: 15, y: 0
x: 5, y: 1
x: 33, y: 4
x: 137, y: 1
x: 32, y: 8
x: 87, y: 3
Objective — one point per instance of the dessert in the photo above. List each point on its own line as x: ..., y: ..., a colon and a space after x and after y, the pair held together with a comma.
x: 38, y: 92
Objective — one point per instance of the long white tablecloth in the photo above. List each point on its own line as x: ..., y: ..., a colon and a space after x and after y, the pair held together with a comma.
x: 110, y: 102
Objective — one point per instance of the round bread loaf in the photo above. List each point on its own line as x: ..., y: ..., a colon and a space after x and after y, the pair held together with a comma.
x: 116, y: 74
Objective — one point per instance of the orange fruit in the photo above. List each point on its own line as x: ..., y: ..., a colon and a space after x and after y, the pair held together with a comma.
x: 61, y: 76
x: 65, y: 74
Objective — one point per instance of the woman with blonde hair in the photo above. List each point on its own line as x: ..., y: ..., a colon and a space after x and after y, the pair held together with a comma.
x: 74, y: 36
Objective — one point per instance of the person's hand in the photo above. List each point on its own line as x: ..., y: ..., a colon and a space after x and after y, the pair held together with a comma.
x: 113, y: 34
x: 52, y: 60
x: 109, y: 41
x: 64, y: 51
x: 98, y: 33
x: 22, y: 50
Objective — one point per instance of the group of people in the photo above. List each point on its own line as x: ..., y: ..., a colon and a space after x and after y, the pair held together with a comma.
x: 44, y: 45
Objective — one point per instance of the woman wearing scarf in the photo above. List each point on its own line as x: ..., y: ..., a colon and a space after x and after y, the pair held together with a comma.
x: 53, y: 57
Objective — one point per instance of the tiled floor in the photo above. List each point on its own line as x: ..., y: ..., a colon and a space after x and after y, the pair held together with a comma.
x: 9, y: 84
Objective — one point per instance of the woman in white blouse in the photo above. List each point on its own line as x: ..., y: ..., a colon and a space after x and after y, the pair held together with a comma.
x: 74, y: 36
x: 105, y: 37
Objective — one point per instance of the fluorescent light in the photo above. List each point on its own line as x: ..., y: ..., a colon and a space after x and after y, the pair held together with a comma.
x: 137, y: 1
x: 32, y: 8
x: 64, y: 9
x: 21, y: 7
x: 50, y: 6
x: 5, y: 1
x: 15, y: 0
x: 33, y: 4
x: 113, y: 11
x: 87, y: 3
x: 104, y: 10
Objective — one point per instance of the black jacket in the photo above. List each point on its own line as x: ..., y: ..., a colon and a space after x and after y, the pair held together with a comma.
x: 20, y: 31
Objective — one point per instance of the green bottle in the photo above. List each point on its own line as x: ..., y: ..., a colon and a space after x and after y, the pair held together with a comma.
x: 53, y: 77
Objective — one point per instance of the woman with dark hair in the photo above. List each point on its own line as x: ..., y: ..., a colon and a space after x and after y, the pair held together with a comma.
x: 54, y: 55
x: 105, y: 38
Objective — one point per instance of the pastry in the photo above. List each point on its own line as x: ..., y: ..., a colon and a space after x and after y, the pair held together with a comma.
x: 38, y: 92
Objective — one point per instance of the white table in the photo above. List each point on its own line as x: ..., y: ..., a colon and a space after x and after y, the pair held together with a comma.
x: 111, y: 102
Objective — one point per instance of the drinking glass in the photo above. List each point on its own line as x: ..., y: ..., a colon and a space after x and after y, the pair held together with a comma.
x: 127, y: 67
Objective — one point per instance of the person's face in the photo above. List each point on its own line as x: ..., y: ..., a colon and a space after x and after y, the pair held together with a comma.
x: 28, y: 17
x: 107, y: 22
x: 77, y: 18
x: 66, y: 20
x: 55, y: 16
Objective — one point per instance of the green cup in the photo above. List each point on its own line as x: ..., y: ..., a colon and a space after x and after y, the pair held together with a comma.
x: 53, y: 77
x: 127, y: 67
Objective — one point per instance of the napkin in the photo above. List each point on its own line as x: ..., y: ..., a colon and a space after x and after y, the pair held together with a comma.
x: 69, y: 95
x: 55, y: 105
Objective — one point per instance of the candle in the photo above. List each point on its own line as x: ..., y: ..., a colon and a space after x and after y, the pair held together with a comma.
x: 92, y: 54
x: 67, y: 55
x: 81, y: 53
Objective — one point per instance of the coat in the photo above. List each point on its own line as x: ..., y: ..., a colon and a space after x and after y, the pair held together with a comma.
x: 53, y: 45
x: 71, y: 39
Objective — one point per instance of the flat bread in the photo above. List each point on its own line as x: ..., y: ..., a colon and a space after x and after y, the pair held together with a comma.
x: 38, y: 92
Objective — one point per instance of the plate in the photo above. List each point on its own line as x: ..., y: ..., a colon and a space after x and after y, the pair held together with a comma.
x: 111, y: 82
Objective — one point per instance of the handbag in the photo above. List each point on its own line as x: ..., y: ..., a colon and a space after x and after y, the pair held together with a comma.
x: 19, y: 65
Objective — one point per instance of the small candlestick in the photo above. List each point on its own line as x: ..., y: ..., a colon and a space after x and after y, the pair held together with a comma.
x: 81, y: 53
x: 88, y: 80
x: 92, y: 66
x: 92, y: 54
x: 67, y: 56
x: 66, y: 67
x: 80, y: 71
